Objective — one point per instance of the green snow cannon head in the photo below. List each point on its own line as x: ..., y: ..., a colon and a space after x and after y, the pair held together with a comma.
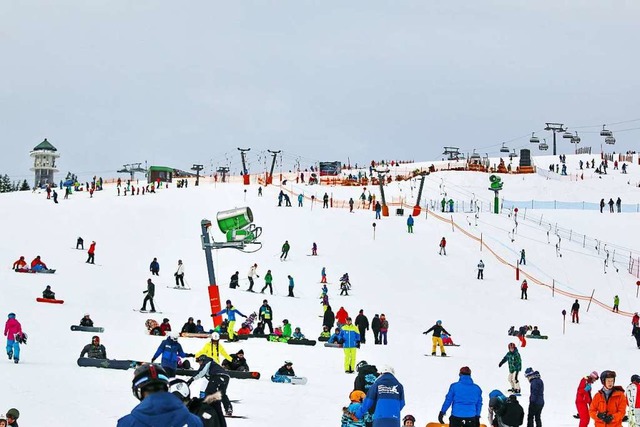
x: 496, y: 182
x: 234, y: 219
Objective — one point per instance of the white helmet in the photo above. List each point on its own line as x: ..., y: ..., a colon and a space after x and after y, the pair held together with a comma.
x: 180, y: 388
x: 174, y: 335
x: 215, y: 336
x: 387, y: 368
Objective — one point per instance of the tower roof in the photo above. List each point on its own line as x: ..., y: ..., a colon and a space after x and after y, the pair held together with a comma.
x: 45, y: 145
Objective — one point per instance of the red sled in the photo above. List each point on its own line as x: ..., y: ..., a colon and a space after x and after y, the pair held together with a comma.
x: 50, y: 301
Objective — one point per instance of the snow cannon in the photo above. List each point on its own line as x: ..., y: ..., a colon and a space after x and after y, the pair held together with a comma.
x: 495, y: 186
x: 237, y: 225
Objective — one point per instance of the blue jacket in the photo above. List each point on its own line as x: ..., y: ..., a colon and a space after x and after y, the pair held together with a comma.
x: 346, y: 420
x: 410, y: 220
x: 160, y: 409
x: 291, y: 282
x: 350, y: 336
x: 388, y: 396
x: 170, y: 350
x: 154, y: 266
x: 465, y: 397
x: 537, y: 389
x: 231, y: 313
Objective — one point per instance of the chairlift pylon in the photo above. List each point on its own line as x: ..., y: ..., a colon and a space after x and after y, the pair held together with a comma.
x: 534, y: 139
x: 605, y: 131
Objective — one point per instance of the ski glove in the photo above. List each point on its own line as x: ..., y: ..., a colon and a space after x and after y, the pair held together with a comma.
x: 605, y: 417
x: 441, y: 417
x: 500, y: 364
x: 190, y: 355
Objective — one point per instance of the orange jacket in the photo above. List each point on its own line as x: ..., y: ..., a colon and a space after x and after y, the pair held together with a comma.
x: 615, y: 406
x: 21, y: 263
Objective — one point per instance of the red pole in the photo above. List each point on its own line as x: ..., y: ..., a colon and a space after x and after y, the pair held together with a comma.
x: 214, y: 299
x: 517, y: 270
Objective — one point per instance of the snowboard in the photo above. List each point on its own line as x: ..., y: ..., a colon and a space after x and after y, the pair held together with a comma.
x: 437, y: 355
x: 446, y: 425
x: 225, y: 336
x: 50, y: 301
x: 107, y: 363
x: 333, y: 345
x: 147, y: 311
x: 540, y: 337
x: 194, y: 335
x: 303, y: 341
x: 236, y: 416
x: 50, y: 271
x: 451, y: 345
x: 179, y: 288
x: 87, y: 328
x: 291, y: 380
x: 323, y: 339
x: 241, y: 375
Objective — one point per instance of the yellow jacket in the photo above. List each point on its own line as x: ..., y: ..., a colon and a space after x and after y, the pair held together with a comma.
x: 214, y: 350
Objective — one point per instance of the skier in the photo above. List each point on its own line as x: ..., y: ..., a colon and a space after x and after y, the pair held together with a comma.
x: 436, y: 338
x: 80, y: 243
x: 233, y: 283
x: 252, y: 272
x: 151, y: 291
x: 86, y: 320
x: 91, y: 252
x: 481, y: 270
x: 386, y: 394
x: 575, y: 308
x: 214, y: 349
x: 443, y: 245
x: 363, y: 325
x: 356, y: 397
x: 157, y: 406
x: 314, y: 249
x: 609, y: 404
x: 515, y: 365
x: 616, y: 303
x: 285, y: 250
x: 536, y: 398
x: 583, y: 397
x: 238, y: 362
x: 633, y: 401
x: 465, y: 399
x: 523, y: 259
x: 266, y: 315
x: 189, y: 327
x: 325, y: 201
x: 410, y: 224
x: 350, y: 342
x: 179, y: 274
x: 231, y: 312
x: 268, y: 280
x: 291, y: 284
x: 154, y: 267
x: 171, y: 350
x: 523, y: 289
x: 384, y: 328
x: 48, y: 293
x: 94, y: 350
x: 323, y: 273
x: 367, y: 375
x: 13, y: 331
x: 375, y: 328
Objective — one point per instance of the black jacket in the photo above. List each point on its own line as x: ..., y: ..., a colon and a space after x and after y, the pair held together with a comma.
x: 362, y: 322
x: 234, y: 281
x: 210, y: 415
x: 286, y: 371
x: 236, y: 364
x: 375, y: 323
x: 437, y: 330
x: 511, y: 413
x: 151, y: 289
x: 189, y: 328
x: 367, y: 375
x: 575, y: 306
x: 328, y: 319
x: 86, y: 322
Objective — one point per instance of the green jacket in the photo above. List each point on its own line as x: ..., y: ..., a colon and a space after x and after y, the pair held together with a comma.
x: 268, y: 278
x: 514, y: 360
x: 285, y: 247
x: 286, y: 330
x: 616, y: 300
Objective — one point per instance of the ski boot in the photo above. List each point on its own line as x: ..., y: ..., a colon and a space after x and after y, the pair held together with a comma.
x: 443, y: 354
x: 16, y: 361
x: 433, y: 354
x: 228, y: 412
x: 10, y: 354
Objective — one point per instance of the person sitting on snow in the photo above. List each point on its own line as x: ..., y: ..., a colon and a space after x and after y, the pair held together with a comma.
x: 335, y: 338
x: 48, y: 293
x: 86, y: 321
x: 38, y: 265
x: 237, y: 363
x: 535, y: 332
x: 446, y: 339
x: 297, y: 334
x: 95, y: 350
x: 325, y: 332
x: 20, y: 265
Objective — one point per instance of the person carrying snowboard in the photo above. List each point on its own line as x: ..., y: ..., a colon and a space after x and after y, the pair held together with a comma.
x: 515, y: 366
x: 436, y: 338
x: 231, y: 313
x: 285, y: 250
x: 13, y: 331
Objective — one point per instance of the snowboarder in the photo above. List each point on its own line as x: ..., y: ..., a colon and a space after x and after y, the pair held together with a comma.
x: 341, y: 317
x: 536, y: 398
x: 91, y: 252
x: 165, y: 327
x: 575, y: 308
x: 179, y: 274
x: 356, y: 397
x: 231, y: 313
x: 616, y: 303
x: 285, y: 370
x: 171, y: 350
x: 297, y: 334
x: 48, y: 293
x: 583, y: 397
x: 375, y: 328
x: 38, y: 265
x: 13, y: 332
x: 515, y: 366
x: 285, y: 250
x: 94, y: 350
x: 214, y: 349
x: 465, y: 399
x: 443, y: 245
x: 80, y: 243
x: 323, y: 273
x: 237, y: 363
x: 436, y: 338
x: 151, y: 291
x: 350, y: 342
x: 268, y: 280
x: 157, y: 406
x: 504, y: 411
x: 266, y: 315
x: 523, y: 259
x: 410, y: 224
x: 252, y: 272
x: 291, y: 284
x: 20, y: 265
x: 154, y: 267
x: 86, y: 320
x: 609, y: 404
x: 386, y: 394
x: 523, y: 289
x: 481, y: 270
x: 314, y: 249
x: 363, y: 325
x: 189, y: 327
x: 233, y: 282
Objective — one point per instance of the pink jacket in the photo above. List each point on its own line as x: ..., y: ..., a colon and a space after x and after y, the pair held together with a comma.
x: 11, y: 328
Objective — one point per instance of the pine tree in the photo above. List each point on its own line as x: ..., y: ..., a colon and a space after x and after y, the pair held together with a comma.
x: 5, y: 184
x: 25, y: 186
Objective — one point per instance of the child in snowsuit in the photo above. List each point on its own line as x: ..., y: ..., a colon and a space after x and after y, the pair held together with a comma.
x: 12, y: 330
x: 515, y: 366
x: 348, y: 419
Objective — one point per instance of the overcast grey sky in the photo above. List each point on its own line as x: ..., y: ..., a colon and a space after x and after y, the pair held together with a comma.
x: 110, y: 82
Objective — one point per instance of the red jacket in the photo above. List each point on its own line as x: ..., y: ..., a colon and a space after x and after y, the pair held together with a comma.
x: 583, y: 396
x: 341, y: 315
x: 164, y: 328
x: 635, y: 320
x: 524, y: 286
x: 11, y: 328
x: 37, y: 261
x: 92, y: 248
x: 21, y: 263
x: 443, y: 243
x: 615, y: 406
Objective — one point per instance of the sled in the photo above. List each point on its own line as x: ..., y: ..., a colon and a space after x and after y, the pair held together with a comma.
x: 539, y: 337
x: 333, y: 345
x: 108, y: 363
x: 284, y: 379
x: 87, y: 328
x: 50, y: 301
x: 446, y: 425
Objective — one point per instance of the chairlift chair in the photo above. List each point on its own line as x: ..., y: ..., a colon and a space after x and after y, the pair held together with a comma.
x: 567, y: 135
x: 575, y: 139
x: 543, y: 146
x: 475, y: 156
x: 504, y: 148
x: 534, y: 139
x: 513, y: 154
x: 605, y: 131
x: 610, y: 140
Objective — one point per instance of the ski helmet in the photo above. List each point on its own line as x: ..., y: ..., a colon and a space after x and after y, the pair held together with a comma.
x: 635, y: 378
x: 288, y: 362
x: 361, y: 364
x: 149, y: 377
x: 215, y: 336
x: 408, y: 418
x: 607, y: 374
x: 387, y: 369
x: 357, y: 396
x: 594, y: 375
x: 174, y: 335
x: 11, y: 316
x: 438, y: 322
x: 180, y: 389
